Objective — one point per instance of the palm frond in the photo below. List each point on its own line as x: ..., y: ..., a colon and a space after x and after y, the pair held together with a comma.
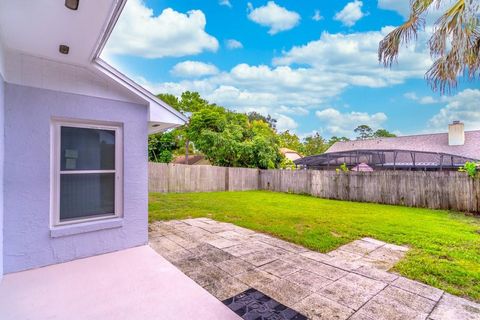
x: 442, y: 75
x: 389, y: 47
x: 454, y: 44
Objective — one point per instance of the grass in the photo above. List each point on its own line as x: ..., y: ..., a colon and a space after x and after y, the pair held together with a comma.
x: 445, y: 246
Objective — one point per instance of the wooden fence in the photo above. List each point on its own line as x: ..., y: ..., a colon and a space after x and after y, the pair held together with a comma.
x: 435, y: 190
x: 186, y: 178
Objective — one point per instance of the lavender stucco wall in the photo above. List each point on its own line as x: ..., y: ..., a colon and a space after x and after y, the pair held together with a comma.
x: 28, y: 242
x: 2, y: 108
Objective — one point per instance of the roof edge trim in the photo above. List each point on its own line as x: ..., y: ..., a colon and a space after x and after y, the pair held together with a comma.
x: 126, y: 81
x: 132, y: 85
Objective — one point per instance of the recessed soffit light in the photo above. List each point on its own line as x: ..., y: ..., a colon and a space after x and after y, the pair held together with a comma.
x: 72, y: 4
x: 64, y: 49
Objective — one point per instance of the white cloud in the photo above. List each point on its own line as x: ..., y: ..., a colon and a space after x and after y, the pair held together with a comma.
x: 422, y: 100
x: 282, y: 89
x: 351, y: 13
x: 298, y: 111
x: 411, y: 96
x: 328, y: 66
x: 428, y: 100
x: 401, y: 7
x: 317, y: 16
x: 225, y: 3
x: 171, y: 34
x: 353, y: 58
x: 306, y: 77
x: 342, y: 124
x: 271, y: 15
x: 233, y: 44
x: 193, y: 69
x: 463, y: 106
x: 285, y: 123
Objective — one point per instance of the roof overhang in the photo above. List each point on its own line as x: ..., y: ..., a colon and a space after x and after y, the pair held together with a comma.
x: 161, y: 115
x: 38, y: 28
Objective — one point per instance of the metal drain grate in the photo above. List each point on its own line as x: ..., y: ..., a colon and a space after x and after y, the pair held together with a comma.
x: 254, y: 305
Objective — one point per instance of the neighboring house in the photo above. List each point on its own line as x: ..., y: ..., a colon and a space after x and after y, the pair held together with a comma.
x: 439, y: 151
x: 290, y: 154
x: 192, y: 160
x: 74, y: 142
x: 362, y: 167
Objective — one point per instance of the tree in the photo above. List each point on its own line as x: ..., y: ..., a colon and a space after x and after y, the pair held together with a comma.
x: 170, y: 99
x: 161, y: 147
x: 314, y: 144
x: 363, y: 132
x: 192, y: 102
x: 290, y: 141
x: 188, y: 103
x: 252, y: 116
x: 228, y: 138
x: 382, y: 133
x: 454, y: 45
x: 335, y: 139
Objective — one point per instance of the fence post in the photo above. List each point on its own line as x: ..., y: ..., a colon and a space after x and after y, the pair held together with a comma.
x: 259, y: 179
x: 169, y: 168
x: 227, y: 179
x: 309, y: 182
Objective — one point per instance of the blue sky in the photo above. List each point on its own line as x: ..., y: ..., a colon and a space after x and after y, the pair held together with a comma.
x: 310, y: 64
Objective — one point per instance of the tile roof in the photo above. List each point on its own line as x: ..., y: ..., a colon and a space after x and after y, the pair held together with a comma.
x: 192, y: 159
x: 286, y: 150
x: 437, y: 142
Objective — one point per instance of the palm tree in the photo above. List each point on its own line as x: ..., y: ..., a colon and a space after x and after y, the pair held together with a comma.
x: 454, y: 45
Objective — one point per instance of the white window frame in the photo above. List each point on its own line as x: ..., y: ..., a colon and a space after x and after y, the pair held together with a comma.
x: 56, y: 171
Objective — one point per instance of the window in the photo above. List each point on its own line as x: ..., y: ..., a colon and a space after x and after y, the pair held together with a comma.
x: 87, y: 172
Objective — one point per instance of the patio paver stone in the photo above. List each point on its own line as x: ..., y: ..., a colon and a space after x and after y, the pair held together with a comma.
x: 307, y: 278
x: 351, y: 282
x: 418, y: 288
x: 353, y: 290
x: 317, y: 307
x: 452, y: 307
x: 280, y: 268
x: 397, y: 304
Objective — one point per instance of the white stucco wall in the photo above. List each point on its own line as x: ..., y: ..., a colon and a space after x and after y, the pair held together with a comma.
x: 2, y: 105
x: 2, y: 109
x: 2, y: 60
x: 31, y: 71
x: 28, y: 242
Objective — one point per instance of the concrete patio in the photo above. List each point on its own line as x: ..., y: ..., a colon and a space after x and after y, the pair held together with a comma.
x: 135, y: 283
x: 351, y: 282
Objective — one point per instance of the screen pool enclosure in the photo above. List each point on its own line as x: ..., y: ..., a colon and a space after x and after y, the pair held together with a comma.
x: 385, y: 160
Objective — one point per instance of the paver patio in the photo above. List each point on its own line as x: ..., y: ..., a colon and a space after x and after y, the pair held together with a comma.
x: 351, y: 282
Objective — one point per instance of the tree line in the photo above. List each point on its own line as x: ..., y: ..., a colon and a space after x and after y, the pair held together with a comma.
x: 233, y: 139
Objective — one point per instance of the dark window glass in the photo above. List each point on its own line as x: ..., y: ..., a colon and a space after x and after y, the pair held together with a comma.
x: 86, y: 195
x: 87, y: 149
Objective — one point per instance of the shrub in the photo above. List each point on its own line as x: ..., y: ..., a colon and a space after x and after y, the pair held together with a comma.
x: 471, y: 168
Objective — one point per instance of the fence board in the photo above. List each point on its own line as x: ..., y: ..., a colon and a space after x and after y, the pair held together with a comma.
x: 436, y: 190
x: 242, y: 179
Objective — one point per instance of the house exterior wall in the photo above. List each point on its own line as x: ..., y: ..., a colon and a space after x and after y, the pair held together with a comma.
x: 2, y: 122
x: 31, y: 71
x: 28, y: 239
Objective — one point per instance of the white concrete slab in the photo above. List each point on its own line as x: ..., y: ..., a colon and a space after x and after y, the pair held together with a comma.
x: 135, y: 283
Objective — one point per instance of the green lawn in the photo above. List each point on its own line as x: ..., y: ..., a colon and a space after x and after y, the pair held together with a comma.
x: 445, y: 246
